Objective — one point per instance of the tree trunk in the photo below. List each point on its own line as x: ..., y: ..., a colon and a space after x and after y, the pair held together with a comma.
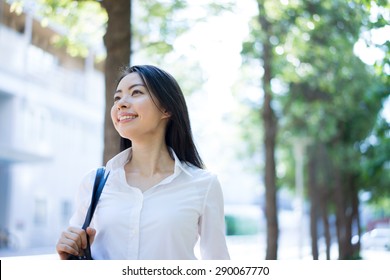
x: 270, y: 128
x: 355, y: 212
x: 340, y: 217
x: 344, y: 215
x: 118, y: 45
x: 353, y: 215
x: 325, y: 221
x: 348, y: 215
x: 325, y: 195
x: 313, y: 193
x: 346, y: 208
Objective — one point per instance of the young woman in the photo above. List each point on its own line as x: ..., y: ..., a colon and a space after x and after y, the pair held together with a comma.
x: 158, y: 199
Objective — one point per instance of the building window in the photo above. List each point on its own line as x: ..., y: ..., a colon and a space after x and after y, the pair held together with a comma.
x: 66, y: 211
x: 40, y: 213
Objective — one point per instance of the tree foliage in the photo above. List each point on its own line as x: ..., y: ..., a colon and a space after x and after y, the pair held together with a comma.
x: 82, y: 24
x: 327, y: 94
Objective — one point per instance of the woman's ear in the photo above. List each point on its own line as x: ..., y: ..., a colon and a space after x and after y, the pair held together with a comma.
x: 166, y: 113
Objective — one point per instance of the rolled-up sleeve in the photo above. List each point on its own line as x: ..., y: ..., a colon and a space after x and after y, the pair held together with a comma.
x: 212, y: 225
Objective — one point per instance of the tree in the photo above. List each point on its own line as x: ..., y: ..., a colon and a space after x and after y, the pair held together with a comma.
x: 117, y: 40
x: 270, y: 130
x: 334, y: 99
x: 328, y: 95
x: 267, y: 29
x: 376, y: 147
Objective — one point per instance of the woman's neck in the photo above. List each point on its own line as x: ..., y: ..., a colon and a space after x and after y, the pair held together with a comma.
x: 150, y: 159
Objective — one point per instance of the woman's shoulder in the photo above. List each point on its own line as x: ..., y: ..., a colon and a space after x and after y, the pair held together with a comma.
x: 200, y: 174
x: 88, y: 179
x: 197, y: 171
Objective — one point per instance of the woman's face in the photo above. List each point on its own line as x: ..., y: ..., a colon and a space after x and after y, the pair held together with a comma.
x: 134, y: 114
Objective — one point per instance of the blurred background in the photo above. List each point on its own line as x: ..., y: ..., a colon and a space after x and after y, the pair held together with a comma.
x: 289, y: 103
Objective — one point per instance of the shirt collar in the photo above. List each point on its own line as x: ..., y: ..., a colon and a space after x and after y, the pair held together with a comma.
x: 179, y: 165
x: 123, y: 157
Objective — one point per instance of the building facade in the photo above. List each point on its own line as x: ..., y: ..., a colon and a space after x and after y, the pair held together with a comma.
x: 51, y: 130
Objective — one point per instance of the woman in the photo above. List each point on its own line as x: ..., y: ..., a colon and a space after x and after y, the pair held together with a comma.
x: 158, y: 200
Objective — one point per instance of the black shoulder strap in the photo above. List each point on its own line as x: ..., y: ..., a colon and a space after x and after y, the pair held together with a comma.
x: 100, y: 181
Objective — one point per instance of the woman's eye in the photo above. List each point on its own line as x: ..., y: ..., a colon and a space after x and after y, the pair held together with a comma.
x: 135, y: 92
x: 116, y: 98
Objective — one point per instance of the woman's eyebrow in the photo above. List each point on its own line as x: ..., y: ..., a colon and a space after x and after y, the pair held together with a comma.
x: 130, y: 87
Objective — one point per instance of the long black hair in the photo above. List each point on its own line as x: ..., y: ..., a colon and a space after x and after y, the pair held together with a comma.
x: 164, y: 87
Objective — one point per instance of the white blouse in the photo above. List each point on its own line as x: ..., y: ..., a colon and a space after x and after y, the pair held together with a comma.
x: 162, y: 223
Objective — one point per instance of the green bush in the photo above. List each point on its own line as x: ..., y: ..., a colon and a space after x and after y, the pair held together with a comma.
x: 239, y: 225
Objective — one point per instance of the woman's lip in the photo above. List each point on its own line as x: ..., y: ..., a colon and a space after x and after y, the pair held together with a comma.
x: 126, y: 117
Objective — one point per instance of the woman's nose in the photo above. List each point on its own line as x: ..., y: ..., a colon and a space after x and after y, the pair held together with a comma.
x: 122, y: 104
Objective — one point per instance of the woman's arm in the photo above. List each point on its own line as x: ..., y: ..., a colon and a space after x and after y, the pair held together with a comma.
x: 212, y: 225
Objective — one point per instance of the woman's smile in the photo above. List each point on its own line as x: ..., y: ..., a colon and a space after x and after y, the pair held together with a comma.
x: 123, y: 117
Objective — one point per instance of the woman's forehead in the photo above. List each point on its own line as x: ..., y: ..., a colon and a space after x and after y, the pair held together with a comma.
x: 131, y: 79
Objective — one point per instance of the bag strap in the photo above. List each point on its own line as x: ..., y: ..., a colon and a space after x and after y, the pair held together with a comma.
x: 98, y: 186
x: 100, y: 181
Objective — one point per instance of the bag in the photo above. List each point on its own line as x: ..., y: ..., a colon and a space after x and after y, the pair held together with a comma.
x: 98, y: 186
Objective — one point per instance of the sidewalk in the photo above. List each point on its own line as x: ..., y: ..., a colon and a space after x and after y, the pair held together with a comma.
x: 42, y: 253
x: 240, y: 248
